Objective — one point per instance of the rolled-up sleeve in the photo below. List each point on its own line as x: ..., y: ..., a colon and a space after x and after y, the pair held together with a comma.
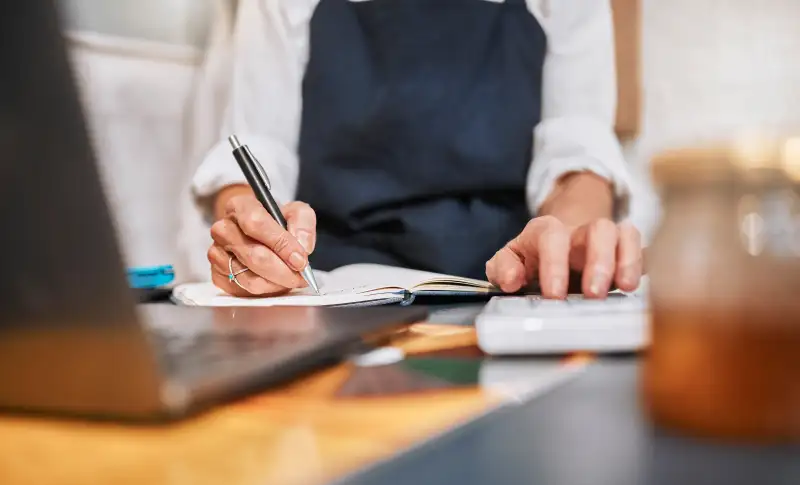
x: 579, y: 100
x: 264, y: 99
x: 254, y: 84
x: 219, y: 169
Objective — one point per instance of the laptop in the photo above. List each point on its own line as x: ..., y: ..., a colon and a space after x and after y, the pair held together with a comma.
x: 72, y: 339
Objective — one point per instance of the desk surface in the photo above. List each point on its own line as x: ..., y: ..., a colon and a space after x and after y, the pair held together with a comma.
x: 300, y: 434
x: 590, y: 431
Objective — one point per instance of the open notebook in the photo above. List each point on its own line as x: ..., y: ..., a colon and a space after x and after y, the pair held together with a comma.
x: 357, y: 284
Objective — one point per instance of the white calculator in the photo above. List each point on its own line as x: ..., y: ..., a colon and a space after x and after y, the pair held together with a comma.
x: 530, y: 325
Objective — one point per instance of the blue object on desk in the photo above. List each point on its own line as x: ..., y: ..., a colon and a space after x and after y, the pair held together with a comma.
x: 150, y: 277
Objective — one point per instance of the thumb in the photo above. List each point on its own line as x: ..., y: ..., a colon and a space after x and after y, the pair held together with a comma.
x: 302, y: 223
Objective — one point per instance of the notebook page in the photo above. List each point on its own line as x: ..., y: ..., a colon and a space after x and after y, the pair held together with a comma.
x: 377, y: 277
x: 456, y: 288
x: 462, y: 284
x: 206, y: 294
x: 372, y: 277
x: 353, y: 284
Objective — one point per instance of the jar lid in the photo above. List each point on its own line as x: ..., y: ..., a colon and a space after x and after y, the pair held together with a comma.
x: 747, y: 159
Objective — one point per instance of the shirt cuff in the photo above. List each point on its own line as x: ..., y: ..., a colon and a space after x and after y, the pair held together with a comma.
x: 219, y: 170
x: 568, y: 145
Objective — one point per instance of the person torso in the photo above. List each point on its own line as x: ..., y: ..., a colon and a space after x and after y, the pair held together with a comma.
x: 417, y: 129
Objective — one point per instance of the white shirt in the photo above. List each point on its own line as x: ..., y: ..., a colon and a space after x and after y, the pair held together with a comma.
x: 269, y: 49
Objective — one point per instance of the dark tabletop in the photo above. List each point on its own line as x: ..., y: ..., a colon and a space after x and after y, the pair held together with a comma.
x: 589, y: 431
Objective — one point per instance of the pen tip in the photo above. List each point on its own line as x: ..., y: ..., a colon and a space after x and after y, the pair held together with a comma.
x: 308, y: 275
x: 234, y: 141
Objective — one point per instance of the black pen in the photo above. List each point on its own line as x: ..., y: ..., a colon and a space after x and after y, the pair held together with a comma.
x: 259, y: 181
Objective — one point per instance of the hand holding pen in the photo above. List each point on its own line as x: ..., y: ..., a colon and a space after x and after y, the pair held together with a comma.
x: 260, y: 248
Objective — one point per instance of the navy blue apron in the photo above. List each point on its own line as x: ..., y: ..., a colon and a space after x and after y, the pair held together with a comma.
x: 417, y: 130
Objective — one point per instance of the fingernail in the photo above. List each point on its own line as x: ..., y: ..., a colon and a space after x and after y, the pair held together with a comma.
x: 559, y: 286
x: 297, y: 261
x: 626, y: 278
x: 304, y: 238
x: 511, y: 276
x: 598, y: 282
x: 632, y: 280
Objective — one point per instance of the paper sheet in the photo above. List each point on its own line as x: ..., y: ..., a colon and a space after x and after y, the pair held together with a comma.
x: 365, y: 277
x: 348, y: 285
x: 206, y: 294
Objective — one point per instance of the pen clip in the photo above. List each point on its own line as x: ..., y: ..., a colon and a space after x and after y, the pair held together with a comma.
x: 262, y: 172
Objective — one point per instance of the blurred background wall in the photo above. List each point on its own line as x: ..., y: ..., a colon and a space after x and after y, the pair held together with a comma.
x: 137, y: 61
x: 715, y: 68
x: 709, y: 68
x: 177, y: 22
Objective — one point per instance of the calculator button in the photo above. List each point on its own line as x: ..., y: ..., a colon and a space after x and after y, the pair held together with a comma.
x: 512, y: 305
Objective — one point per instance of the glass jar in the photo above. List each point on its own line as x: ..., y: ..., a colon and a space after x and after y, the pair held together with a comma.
x: 724, y: 273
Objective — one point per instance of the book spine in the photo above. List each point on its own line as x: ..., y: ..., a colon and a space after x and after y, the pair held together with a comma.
x: 408, y: 298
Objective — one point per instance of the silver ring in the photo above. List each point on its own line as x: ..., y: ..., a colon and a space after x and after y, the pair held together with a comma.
x: 233, y: 274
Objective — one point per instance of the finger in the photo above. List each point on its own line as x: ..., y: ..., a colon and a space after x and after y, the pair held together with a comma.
x: 302, y: 222
x: 223, y: 282
x: 645, y: 258
x: 254, y: 255
x: 526, y: 245
x: 554, y: 246
x: 225, y: 232
x: 253, y: 283
x: 257, y: 223
x: 265, y: 263
x: 601, y: 248
x: 506, y: 270
x: 629, y: 258
x: 514, y: 265
x: 229, y: 287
